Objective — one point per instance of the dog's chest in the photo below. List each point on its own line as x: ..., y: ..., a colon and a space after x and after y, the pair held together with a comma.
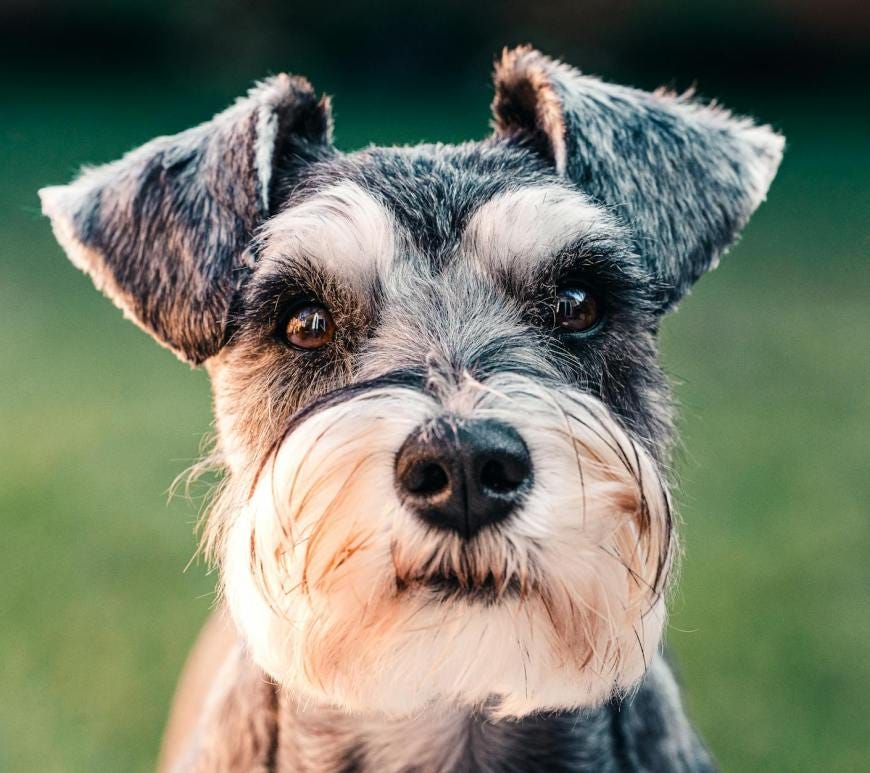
x: 324, y: 741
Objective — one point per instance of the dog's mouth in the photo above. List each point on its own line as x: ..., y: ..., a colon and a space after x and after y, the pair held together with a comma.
x: 447, y: 585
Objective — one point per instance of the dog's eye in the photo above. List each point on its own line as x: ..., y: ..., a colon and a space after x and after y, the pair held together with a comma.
x: 576, y: 310
x: 309, y: 326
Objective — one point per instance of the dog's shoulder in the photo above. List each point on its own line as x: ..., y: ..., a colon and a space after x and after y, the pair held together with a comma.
x: 651, y: 729
x: 237, y: 727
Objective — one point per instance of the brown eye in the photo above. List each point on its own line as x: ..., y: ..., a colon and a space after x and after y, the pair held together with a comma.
x: 309, y: 327
x: 576, y: 310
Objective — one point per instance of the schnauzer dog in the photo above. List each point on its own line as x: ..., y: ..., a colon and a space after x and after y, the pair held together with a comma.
x: 444, y: 533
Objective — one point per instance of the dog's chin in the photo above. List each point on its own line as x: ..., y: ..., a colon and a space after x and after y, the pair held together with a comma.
x: 346, y: 598
x: 508, y: 647
x: 449, y: 586
x: 510, y: 643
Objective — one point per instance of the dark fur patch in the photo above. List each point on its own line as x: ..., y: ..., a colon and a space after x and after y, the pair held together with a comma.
x: 682, y: 176
x: 163, y: 231
x: 432, y: 191
x: 171, y: 233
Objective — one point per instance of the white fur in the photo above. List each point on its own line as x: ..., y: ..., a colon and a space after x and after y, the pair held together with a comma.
x: 529, y: 225
x: 343, y: 230
x: 264, y: 150
x: 57, y: 202
x: 767, y: 148
x: 321, y: 564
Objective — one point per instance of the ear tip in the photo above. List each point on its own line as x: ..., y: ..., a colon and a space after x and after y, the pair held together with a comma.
x: 766, y: 147
x: 774, y: 142
x: 525, y: 66
x: 774, y: 147
x: 49, y: 198
x: 758, y: 148
x: 66, y: 201
x: 517, y: 59
x: 282, y: 89
x: 521, y: 50
x: 290, y: 94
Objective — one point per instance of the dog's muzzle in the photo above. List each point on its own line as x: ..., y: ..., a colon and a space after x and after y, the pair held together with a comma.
x: 463, y: 476
x: 504, y: 544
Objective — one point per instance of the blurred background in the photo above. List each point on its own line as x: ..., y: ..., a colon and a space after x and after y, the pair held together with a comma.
x: 770, y: 356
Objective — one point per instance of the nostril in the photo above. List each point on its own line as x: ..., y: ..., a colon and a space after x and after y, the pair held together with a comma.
x: 494, y: 477
x: 503, y: 475
x: 463, y: 475
x: 427, y: 479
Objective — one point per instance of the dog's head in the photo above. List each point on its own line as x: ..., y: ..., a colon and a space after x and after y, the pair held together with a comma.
x: 434, y: 372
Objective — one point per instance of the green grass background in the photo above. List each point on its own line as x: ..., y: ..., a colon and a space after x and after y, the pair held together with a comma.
x: 771, y: 360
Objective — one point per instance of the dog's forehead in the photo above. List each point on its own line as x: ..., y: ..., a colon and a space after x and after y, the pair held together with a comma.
x: 365, y: 212
x: 432, y: 190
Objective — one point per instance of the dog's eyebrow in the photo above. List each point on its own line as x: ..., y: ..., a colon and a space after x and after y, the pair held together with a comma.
x: 518, y: 231
x: 342, y: 230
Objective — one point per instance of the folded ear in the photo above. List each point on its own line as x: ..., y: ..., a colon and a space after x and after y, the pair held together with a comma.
x: 683, y: 176
x: 163, y: 231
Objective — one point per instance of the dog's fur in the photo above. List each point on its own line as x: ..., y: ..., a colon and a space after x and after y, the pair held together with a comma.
x: 369, y: 640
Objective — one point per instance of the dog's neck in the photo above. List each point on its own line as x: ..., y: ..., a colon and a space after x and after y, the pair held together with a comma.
x: 647, y: 731
x: 257, y: 726
x: 438, y: 740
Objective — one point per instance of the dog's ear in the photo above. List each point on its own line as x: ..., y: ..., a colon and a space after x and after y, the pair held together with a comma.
x: 163, y: 231
x: 684, y: 177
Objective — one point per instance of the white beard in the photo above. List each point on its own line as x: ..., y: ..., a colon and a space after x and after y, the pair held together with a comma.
x: 325, y: 572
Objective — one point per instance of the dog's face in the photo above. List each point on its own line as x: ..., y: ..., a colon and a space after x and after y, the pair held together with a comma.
x: 442, y: 404
x: 435, y: 374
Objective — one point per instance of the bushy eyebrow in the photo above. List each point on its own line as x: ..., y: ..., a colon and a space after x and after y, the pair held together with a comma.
x: 285, y: 279
x: 335, y: 246
x: 343, y: 231
x: 602, y: 258
x: 531, y: 237
x: 270, y: 295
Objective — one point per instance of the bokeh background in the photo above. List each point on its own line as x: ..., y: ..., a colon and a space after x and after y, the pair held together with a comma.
x: 770, y: 355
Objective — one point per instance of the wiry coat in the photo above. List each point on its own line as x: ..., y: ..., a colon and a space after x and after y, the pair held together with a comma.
x: 369, y: 639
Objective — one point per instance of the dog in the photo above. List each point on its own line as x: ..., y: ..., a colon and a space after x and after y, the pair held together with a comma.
x: 445, y: 533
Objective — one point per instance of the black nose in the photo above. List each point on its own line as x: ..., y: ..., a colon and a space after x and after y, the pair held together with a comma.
x: 463, y: 476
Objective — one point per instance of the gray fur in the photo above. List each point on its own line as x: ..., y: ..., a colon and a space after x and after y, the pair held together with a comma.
x: 645, y: 733
x: 682, y: 176
x: 178, y: 234
x: 164, y: 229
